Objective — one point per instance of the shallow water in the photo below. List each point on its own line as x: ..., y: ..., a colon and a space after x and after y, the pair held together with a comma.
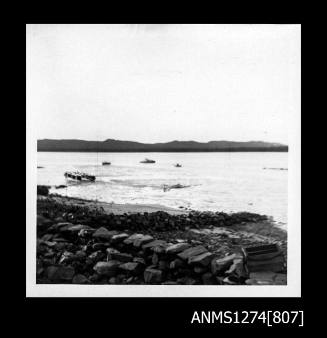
x: 218, y: 181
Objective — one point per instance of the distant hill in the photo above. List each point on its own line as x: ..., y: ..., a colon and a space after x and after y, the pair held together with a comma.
x: 174, y: 146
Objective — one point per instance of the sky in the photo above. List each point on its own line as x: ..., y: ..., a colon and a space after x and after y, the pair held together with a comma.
x: 159, y: 83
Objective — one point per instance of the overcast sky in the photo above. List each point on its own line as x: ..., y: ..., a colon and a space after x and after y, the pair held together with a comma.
x: 158, y: 83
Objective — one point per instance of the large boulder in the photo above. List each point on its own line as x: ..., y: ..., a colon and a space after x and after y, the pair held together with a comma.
x: 133, y: 268
x: 153, y: 276
x: 104, y: 234
x: 142, y: 240
x: 122, y: 257
x: 220, y: 265
x: 108, y: 269
x: 149, y: 246
x: 203, y: 259
x: 61, y: 226
x: 58, y: 274
x: 96, y: 256
x: 80, y: 279
x: 208, y: 279
x: 237, y: 269
x: 118, y: 238
x: 191, y: 252
x: 130, y: 240
x: 176, y: 248
x: 66, y: 257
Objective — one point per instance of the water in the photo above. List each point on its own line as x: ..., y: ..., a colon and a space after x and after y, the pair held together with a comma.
x: 218, y: 181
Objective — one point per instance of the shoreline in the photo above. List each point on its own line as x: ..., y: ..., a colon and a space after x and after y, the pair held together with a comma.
x: 88, y: 242
x: 116, y: 208
x: 129, y: 208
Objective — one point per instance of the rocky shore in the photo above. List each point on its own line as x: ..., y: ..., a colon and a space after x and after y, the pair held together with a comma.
x: 82, y: 243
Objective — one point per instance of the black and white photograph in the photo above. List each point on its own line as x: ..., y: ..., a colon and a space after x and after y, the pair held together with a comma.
x: 163, y: 160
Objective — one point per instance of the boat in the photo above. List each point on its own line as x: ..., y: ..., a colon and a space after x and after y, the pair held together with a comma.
x: 106, y: 163
x: 146, y: 160
x: 78, y: 176
x: 177, y: 165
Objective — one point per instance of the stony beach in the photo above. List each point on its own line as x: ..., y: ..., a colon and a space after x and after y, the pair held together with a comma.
x: 88, y: 242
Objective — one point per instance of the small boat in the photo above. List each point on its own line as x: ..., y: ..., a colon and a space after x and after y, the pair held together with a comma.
x: 106, y: 163
x: 177, y: 165
x: 146, y: 160
x: 78, y: 176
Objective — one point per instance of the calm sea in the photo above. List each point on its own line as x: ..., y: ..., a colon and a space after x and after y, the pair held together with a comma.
x: 218, y: 181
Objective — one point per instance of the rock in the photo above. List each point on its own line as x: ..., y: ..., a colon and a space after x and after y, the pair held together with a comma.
x: 237, y: 269
x: 122, y: 257
x: 129, y: 280
x: 78, y: 227
x: 163, y: 265
x: 62, y: 225
x: 104, y: 234
x: 142, y: 240
x: 153, y: 244
x: 111, y: 252
x: 80, y: 255
x: 176, y: 248
x: 176, y: 263
x: 194, y: 251
x: 43, y: 222
x: 80, y: 279
x: 85, y: 233
x: 94, y: 278
x: 186, y: 280
x: 66, y: 257
x: 229, y: 281
x: 153, y: 276
x: 60, y: 273
x: 139, y: 260
x: 208, y: 279
x: 199, y: 269
x: 96, y: 256
x: 60, y: 246
x: 133, y: 268
x: 107, y: 268
x: 50, y: 244
x: 118, y: 238
x: 100, y: 246
x: 155, y: 259
x: 220, y: 265
x: 130, y: 240
x: 159, y: 249
x: 203, y: 259
x: 113, y: 280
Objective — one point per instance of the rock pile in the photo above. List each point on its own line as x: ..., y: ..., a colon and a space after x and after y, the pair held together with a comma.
x: 110, y: 252
x: 156, y: 221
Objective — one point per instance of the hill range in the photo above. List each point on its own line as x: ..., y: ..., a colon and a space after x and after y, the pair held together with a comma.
x: 110, y: 145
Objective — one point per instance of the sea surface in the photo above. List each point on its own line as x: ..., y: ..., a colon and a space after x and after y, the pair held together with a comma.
x: 227, y: 182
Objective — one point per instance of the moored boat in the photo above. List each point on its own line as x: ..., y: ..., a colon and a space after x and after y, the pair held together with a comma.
x: 106, y: 163
x: 146, y: 160
x: 78, y: 176
x: 177, y: 165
